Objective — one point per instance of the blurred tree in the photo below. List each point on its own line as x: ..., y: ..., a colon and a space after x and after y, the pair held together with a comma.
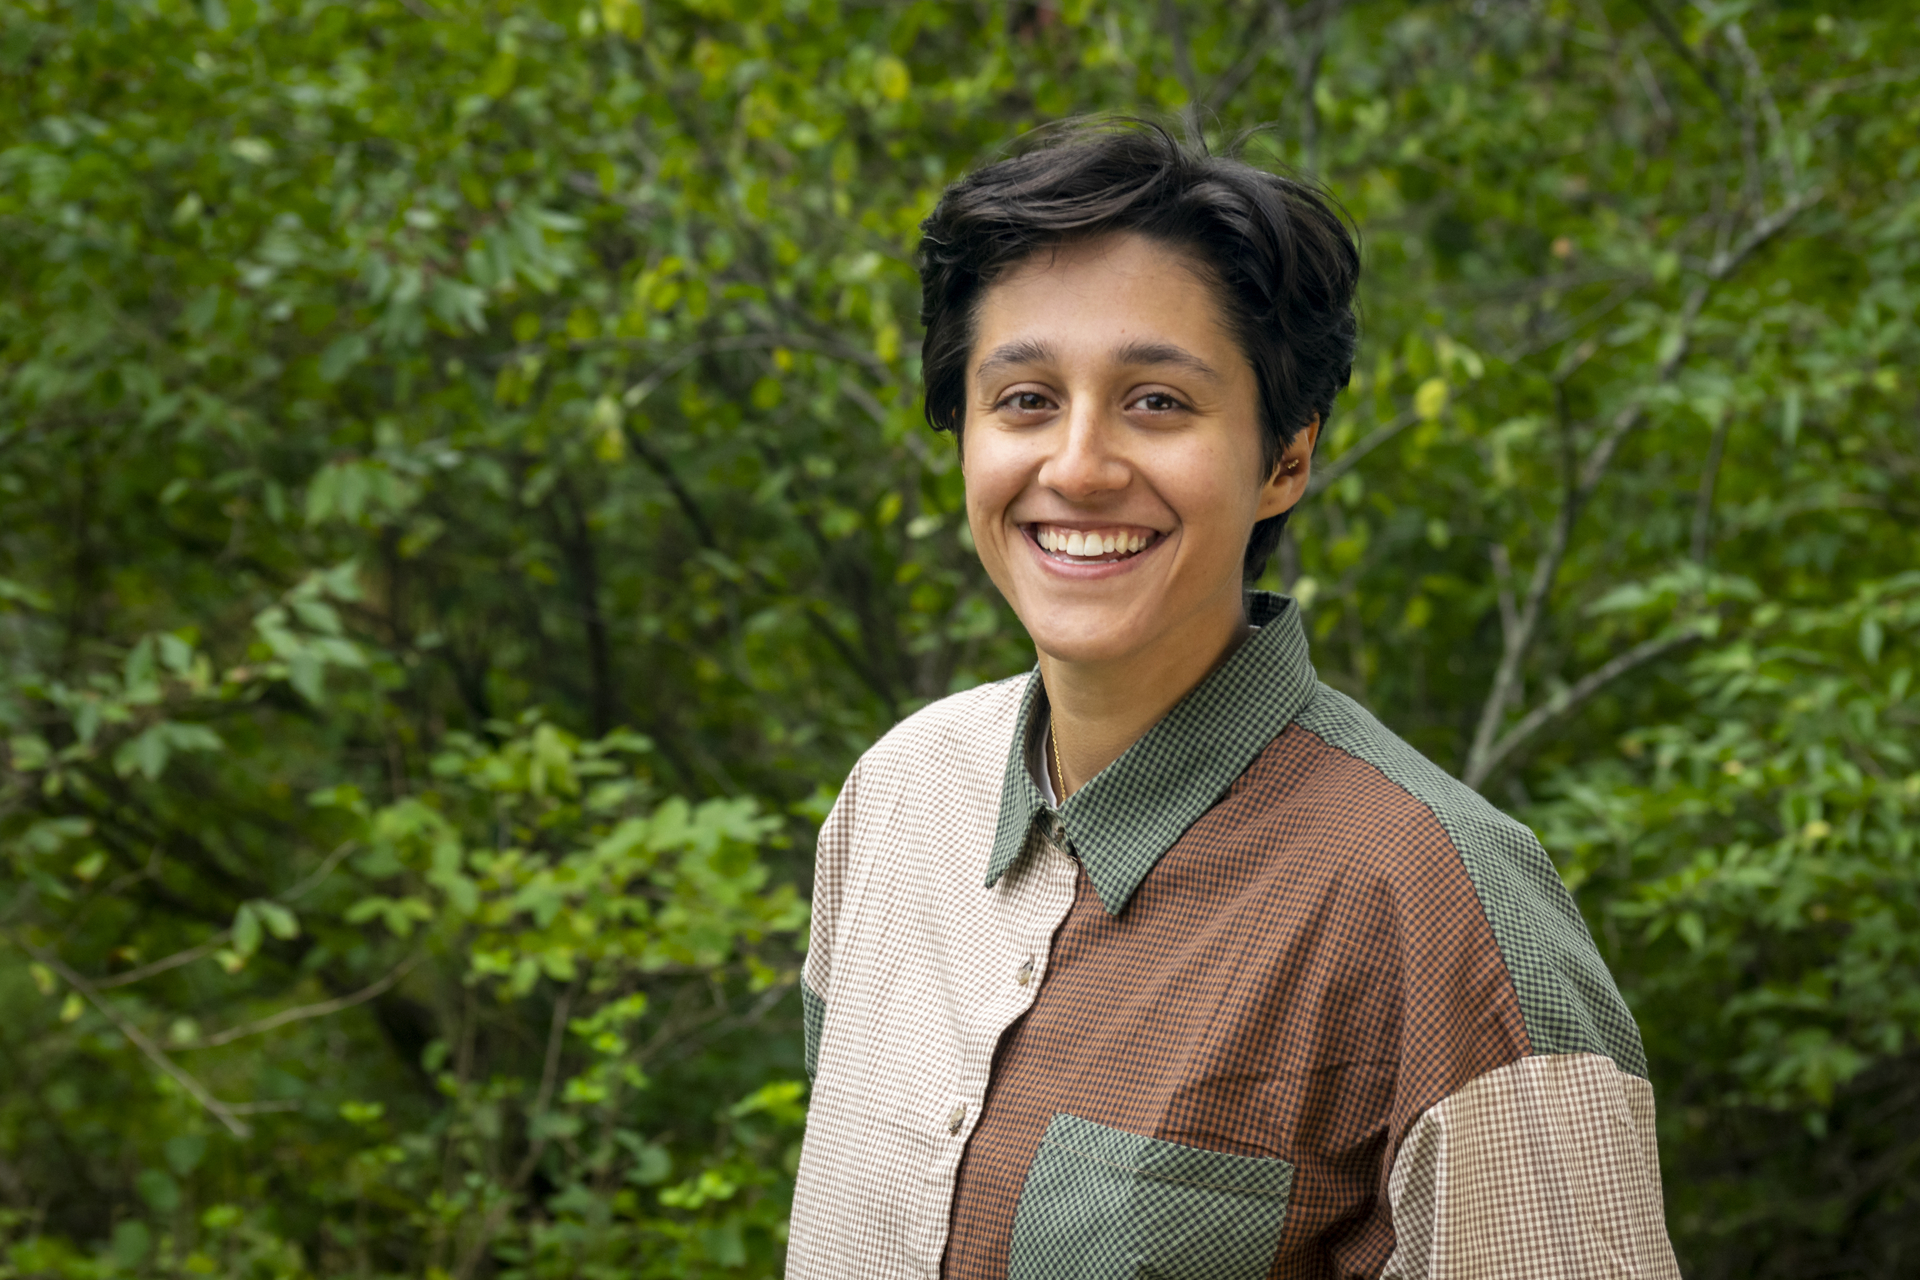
x: 465, y: 506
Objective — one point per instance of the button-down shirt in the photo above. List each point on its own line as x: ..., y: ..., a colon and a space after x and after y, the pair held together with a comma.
x: 1272, y: 995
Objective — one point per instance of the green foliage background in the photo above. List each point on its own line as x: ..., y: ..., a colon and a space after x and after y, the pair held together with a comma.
x: 463, y: 506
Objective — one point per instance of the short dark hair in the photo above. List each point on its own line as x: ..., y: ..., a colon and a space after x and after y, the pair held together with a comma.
x: 1283, y: 262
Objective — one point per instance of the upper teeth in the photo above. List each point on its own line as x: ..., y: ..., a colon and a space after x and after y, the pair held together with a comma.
x: 1073, y: 542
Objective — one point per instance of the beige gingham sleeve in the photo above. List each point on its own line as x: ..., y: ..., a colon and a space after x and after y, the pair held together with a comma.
x: 834, y: 848
x: 1544, y: 1167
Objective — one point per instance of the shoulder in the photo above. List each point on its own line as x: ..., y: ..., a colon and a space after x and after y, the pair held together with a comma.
x: 1412, y: 784
x: 974, y: 725
x: 1568, y: 998
x: 953, y: 748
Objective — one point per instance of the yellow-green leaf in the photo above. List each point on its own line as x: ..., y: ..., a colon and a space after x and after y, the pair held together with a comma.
x: 1430, y: 401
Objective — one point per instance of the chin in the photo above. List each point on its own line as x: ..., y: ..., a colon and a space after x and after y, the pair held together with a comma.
x: 1081, y: 654
x: 1088, y: 637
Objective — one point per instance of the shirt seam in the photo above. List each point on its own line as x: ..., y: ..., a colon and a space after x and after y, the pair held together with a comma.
x: 1453, y: 846
x: 1162, y: 1177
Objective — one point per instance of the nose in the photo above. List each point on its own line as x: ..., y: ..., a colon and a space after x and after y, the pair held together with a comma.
x: 1085, y: 461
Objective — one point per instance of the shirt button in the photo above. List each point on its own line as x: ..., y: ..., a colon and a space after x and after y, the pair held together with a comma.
x: 957, y: 1118
x: 1024, y: 974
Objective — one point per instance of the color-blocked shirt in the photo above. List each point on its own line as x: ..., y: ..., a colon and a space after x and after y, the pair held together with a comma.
x: 1271, y: 996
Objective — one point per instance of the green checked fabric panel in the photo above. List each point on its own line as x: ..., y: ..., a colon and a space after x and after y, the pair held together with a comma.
x: 1103, y: 1204
x: 1567, y: 997
x: 814, y: 1012
x: 1121, y: 822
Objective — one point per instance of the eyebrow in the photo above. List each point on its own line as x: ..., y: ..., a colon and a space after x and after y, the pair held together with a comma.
x: 1023, y: 351
x: 1032, y: 351
x: 1163, y: 353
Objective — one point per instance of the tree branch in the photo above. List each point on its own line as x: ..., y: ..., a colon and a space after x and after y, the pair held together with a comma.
x: 1503, y: 584
x: 1182, y: 61
x: 1324, y: 477
x: 1769, y: 108
x: 682, y: 497
x: 1571, y: 698
x: 164, y: 963
x: 543, y: 1097
x: 867, y: 401
x: 639, y: 391
x: 1728, y: 261
x: 549, y: 1074
x: 138, y: 1038
x: 1547, y: 568
x: 704, y: 531
x: 220, y: 939
x: 1481, y: 756
x: 1519, y: 639
x: 574, y: 532
x: 303, y: 1012
x: 708, y: 539
x: 1308, y: 74
x: 1664, y: 24
x: 1703, y: 503
x: 1259, y: 44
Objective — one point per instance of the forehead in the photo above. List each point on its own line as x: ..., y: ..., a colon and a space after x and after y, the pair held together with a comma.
x: 1103, y: 295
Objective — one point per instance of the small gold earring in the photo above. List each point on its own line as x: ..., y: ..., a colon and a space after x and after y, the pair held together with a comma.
x: 1293, y: 465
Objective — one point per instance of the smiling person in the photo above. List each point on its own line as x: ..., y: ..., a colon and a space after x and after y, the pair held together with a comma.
x: 1166, y: 960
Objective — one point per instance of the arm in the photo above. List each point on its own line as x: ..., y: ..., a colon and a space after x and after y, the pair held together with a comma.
x: 1546, y: 1166
x: 831, y: 857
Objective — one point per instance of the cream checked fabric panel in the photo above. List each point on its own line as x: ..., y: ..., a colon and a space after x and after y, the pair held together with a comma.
x: 920, y: 968
x: 1543, y: 1167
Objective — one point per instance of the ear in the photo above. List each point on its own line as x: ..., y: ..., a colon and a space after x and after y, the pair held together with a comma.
x: 1288, y: 483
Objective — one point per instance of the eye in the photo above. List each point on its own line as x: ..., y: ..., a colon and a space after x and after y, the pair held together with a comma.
x: 1158, y: 402
x: 1026, y: 402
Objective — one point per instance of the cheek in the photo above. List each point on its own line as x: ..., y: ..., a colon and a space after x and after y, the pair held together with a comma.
x: 992, y: 476
x: 1213, y: 483
x: 989, y: 490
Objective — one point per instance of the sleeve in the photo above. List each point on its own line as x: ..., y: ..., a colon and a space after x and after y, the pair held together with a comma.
x: 1546, y: 1166
x: 831, y: 857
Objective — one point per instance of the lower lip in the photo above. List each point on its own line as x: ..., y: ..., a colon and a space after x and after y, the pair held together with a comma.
x: 1094, y: 571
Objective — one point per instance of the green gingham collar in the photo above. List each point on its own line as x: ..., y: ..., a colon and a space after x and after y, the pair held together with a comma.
x: 1120, y: 823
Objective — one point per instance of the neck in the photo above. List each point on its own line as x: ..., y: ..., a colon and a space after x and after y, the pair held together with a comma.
x: 1099, y: 709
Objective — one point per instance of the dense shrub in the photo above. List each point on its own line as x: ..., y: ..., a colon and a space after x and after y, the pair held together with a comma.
x: 463, y: 506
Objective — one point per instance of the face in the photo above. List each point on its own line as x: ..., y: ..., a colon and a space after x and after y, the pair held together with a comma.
x: 1112, y: 451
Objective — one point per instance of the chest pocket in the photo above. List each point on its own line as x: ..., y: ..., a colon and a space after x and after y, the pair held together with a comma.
x: 1103, y: 1204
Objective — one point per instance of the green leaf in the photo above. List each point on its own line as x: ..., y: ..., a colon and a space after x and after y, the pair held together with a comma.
x: 891, y: 77
x: 131, y: 1244
x: 148, y: 752
x: 280, y: 922
x: 1871, y: 637
x: 184, y: 1152
x: 19, y: 593
x: 160, y: 1191
x: 246, y: 929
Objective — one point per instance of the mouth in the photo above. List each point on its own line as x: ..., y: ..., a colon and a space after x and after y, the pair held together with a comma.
x: 1091, y: 546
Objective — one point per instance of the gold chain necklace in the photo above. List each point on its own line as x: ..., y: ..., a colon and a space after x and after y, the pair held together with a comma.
x: 1053, y: 745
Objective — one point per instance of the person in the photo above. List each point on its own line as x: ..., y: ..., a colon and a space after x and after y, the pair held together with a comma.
x: 1167, y: 960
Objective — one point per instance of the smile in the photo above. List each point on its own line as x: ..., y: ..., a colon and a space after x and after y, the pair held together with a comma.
x: 1091, y: 546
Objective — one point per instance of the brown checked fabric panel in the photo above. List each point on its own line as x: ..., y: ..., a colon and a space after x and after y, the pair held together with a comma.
x: 1303, y: 973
